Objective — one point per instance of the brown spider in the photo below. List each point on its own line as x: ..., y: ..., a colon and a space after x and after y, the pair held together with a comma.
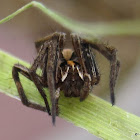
x: 73, y: 72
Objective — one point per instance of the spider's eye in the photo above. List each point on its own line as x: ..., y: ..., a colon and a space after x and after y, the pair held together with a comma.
x: 73, y: 56
x: 63, y: 64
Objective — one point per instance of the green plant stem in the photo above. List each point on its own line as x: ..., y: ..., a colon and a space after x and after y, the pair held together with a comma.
x: 129, y: 27
x: 94, y: 114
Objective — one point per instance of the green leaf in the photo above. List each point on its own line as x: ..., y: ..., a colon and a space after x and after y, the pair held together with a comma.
x: 94, y: 114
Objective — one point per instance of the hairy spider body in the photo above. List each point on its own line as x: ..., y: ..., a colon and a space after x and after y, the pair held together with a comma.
x: 72, y: 71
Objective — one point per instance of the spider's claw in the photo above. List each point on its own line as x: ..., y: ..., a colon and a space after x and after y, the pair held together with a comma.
x: 53, y: 120
x: 112, y: 99
x: 53, y: 114
x: 49, y: 113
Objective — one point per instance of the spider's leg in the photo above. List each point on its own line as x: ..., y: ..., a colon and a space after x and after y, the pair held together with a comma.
x: 17, y: 68
x: 87, y: 65
x: 93, y: 75
x: 52, y: 67
x: 110, y: 54
x: 41, y: 42
x: 57, y: 95
x: 90, y: 63
x: 35, y: 78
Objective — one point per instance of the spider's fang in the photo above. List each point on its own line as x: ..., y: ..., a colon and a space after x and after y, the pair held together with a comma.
x: 80, y: 73
x: 64, y: 75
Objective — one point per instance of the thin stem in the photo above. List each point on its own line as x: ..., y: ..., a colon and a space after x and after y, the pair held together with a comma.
x: 114, y: 28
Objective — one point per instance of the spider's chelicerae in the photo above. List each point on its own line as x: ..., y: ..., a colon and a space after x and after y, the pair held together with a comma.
x: 72, y: 71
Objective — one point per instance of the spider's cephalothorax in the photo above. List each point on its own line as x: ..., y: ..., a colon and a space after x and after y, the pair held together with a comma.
x: 72, y: 71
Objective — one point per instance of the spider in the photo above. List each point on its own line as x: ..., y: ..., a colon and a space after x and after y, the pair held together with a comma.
x: 73, y: 71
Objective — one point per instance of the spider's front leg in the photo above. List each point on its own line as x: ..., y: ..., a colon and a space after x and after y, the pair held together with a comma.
x: 59, y: 37
x: 54, y: 53
x: 41, y: 41
x: 49, y: 66
x: 110, y: 54
x: 48, y: 55
x: 86, y: 59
